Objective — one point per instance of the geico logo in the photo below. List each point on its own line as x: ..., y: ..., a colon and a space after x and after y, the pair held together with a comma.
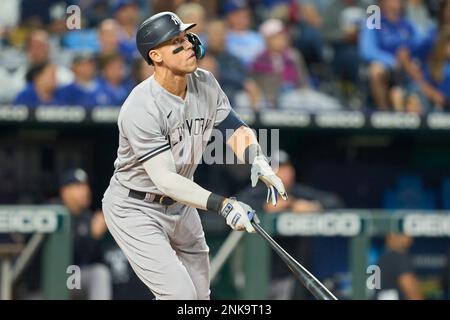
x: 340, y: 119
x: 64, y: 114
x: 299, y: 119
x: 105, y: 114
x: 426, y: 225
x: 16, y: 113
x: 389, y: 120
x: 325, y: 224
x: 438, y: 121
x: 28, y: 221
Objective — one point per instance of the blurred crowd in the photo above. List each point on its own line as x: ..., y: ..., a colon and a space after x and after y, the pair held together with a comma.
x: 267, y: 54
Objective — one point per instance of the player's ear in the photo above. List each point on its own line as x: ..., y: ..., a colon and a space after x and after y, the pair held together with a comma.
x: 155, y: 55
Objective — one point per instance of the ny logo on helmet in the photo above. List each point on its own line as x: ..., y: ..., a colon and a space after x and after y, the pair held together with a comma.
x: 175, y: 20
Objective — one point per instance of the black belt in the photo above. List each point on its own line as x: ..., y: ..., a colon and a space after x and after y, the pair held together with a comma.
x: 167, y: 201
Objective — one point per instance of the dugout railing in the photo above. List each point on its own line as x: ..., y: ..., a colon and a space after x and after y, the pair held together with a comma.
x: 43, y: 227
x: 360, y: 226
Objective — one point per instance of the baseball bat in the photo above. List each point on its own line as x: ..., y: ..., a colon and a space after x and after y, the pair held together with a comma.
x: 313, y: 285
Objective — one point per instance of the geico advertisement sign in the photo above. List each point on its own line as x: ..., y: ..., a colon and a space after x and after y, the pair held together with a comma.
x: 328, y: 224
x: 27, y: 221
x: 430, y: 225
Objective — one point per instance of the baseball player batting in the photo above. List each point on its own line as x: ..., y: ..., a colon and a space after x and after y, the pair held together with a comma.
x: 164, y: 125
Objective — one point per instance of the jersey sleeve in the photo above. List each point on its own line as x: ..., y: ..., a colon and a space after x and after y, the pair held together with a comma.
x: 226, y: 117
x: 145, y: 135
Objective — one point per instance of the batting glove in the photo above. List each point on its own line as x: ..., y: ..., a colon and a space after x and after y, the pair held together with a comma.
x: 261, y: 170
x: 237, y: 215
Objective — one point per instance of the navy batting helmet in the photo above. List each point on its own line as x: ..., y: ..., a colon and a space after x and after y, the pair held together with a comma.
x: 158, y: 29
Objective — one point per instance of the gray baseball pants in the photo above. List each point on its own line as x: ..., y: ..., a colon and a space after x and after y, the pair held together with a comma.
x: 165, y: 245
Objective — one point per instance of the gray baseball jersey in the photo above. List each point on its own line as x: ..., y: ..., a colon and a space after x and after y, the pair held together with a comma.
x: 152, y: 120
x: 165, y: 245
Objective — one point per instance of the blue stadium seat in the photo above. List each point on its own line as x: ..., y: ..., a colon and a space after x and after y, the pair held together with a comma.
x: 409, y: 193
x: 81, y: 40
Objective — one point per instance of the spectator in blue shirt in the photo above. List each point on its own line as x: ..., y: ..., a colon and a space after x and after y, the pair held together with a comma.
x: 443, y: 22
x: 41, y: 88
x: 113, y: 85
x: 84, y: 89
x: 435, y: 84
x: 126, y: 13
x: 241, y: 41
x: 388, y: 52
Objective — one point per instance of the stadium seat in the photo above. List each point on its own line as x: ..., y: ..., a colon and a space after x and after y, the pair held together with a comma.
x: 81, y: 40
x: 409, y: 193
